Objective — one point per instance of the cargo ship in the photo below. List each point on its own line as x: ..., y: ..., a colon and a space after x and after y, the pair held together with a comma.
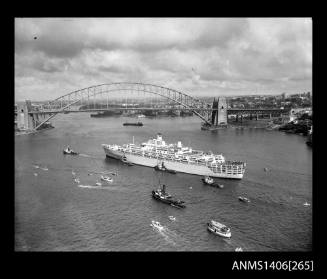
x: 176, y: 157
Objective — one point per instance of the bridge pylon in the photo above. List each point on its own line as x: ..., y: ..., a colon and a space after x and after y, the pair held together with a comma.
x: 25, y: 121
x: 219, y: 113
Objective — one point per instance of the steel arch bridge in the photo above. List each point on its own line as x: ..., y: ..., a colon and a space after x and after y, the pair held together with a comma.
x: 89, y: 94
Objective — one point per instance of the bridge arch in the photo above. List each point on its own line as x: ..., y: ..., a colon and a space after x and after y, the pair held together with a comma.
x: 63, y: 103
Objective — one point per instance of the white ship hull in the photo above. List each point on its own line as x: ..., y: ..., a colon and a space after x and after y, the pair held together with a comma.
x: 176, y: 166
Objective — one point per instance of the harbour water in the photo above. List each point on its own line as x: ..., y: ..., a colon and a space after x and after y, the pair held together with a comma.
x: 54, y: 213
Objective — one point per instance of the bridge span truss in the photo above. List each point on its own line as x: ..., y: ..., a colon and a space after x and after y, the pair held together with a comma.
x: 103, y: 92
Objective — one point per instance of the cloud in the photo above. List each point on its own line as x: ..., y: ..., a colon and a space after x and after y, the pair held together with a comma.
x: 198, y: 55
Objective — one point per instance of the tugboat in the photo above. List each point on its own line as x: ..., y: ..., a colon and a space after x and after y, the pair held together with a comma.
x: 162, y: 167
x: 69, y: 151
x: 163, y: 196
x: 243, y: 199
x: 209, y: 181
x: 124, y: 160
x: 219, y: 229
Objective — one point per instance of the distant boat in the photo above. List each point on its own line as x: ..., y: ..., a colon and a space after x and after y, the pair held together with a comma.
x: 98, y: 184
x: 133, y: 124
x: 243, y: 199
x: 306, y: 204
x: 77, y: 180
x: 172, y: 218
x: 238, y: 249
x: 141, y: 116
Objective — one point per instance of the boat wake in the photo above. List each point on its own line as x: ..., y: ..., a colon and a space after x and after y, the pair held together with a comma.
x: 92, y: 187
x: 84, y: 155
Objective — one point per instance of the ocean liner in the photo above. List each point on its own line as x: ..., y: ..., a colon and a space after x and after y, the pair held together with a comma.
x: 176, y: 157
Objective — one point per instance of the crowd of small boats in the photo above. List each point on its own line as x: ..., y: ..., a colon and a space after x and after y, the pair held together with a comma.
x: 104, y: 178
x: 162, y: 195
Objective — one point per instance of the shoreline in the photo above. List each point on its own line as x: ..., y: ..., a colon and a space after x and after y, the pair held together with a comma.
x: 21, y: 133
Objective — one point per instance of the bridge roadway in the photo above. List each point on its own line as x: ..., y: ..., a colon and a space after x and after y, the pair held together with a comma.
x: 229, y: 111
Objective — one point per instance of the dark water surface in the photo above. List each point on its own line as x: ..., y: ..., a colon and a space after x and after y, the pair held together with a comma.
x: 53, y: 213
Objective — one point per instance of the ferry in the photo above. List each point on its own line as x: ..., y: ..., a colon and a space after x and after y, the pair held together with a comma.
x: 133, y: 124
x: 219, y: 229
x: 176, y: 157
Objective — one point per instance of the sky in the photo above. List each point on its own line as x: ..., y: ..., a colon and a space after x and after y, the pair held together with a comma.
x: 197, y: 56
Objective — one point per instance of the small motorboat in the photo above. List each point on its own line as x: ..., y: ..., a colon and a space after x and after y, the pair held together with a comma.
x: 172, y: 218
x: 77, y: 180
x: 106, y: 178
x: 243, y: 199
x: 209, y: 181
x: 36, y: 166
x: 219, y: 229
x: 156, y: 225
x: 98, y: 184
x: 69, y: 151
x: 45, y: 168
x: 306, y: 204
